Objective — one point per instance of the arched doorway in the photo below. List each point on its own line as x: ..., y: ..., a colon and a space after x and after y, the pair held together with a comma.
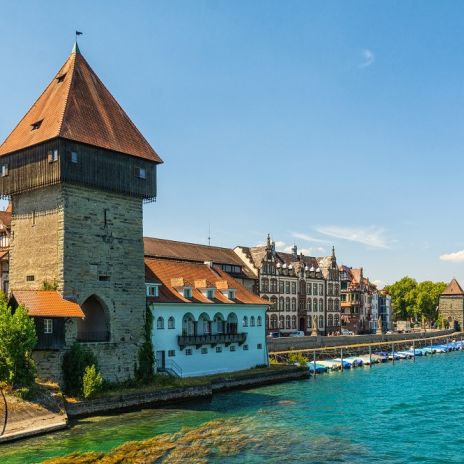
x: 95, y: 327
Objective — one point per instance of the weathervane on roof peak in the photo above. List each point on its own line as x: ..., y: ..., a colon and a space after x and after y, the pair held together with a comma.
x: 76, y: 46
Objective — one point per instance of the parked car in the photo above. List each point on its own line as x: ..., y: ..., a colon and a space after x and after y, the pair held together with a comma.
x: 275, y: 335
x: 346, y: 332
x: 298, y: 333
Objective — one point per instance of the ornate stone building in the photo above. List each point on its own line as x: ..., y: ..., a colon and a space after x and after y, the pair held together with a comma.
x: 297, y: 287
x: 451, y: 305
x: 77, y: 170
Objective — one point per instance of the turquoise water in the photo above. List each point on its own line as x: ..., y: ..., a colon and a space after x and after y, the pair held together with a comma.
x: 392, y: 413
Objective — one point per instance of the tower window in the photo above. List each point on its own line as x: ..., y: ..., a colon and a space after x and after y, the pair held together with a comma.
x: 74, y: 158
x: 52, y: 156
x: 30, y: 278
x: 60, y: 79
x: 4, y: 170
x: 36, y: 125
x: 141, y: 173
x: 103, y: 278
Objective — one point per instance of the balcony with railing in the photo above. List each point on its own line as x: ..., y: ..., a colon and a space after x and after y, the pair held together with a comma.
x: 211, y: 339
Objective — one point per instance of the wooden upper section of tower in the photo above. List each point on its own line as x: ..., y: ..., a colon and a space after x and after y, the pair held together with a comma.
x: 77, y: 132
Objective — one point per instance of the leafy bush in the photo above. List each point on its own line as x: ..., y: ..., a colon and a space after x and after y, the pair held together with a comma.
x: 75, y: 362
x: 92, y: 382
x: 17, y: 340
x: 297, y: 358
x: 144, y: 371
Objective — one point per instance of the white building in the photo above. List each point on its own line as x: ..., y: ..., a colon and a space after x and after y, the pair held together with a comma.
x: 204, y: 321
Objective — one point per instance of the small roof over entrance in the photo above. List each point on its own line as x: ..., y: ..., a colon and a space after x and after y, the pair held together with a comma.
x: 47, y: 303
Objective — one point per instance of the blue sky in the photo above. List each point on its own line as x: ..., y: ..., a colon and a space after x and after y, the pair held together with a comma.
x: 331, y: 122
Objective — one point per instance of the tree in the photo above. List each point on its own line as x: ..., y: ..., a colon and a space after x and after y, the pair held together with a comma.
x: 403, y: 293
x: 17, y: 340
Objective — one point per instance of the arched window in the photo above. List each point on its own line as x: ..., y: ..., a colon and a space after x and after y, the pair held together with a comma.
x: 321, y: 305
x: 281, y: 303
x: 321, y: 322
x: 273, y: 321
x: 259, y: 321
x: 293, y: 304
x: 267, y: 322
x: 293, y: 322
x: 281, y: 322
x: 287, y: 304
x: 310, y: 322
x: 204, y: 324
x: 95, y: 327
x: 232, y: 323
x: 273, y: 286
x: 309, y: 305
x: 265, y: 285
x: 171, y: 323
x: 330, y: 320
x: 245, y: 321
x: 337, y: 320
x: 252, y: 321
x: 274, y: 303
x: 315, y: 306
x: 330, y: 302
x: 219, y: 324
x: 160, y: 323
x: 287, y: 321
x: 330, y: 289
x: 188, y: 324
x: 336, y: 305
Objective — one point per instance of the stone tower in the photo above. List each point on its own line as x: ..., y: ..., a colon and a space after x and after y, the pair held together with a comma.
x: 451, y: 305
x: 77, y: 171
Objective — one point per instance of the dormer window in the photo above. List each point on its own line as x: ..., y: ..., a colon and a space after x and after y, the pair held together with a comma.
x: 231, y: 294
x: 152, y: 290
x: 141, y: 173
x: 60, y: 79
x: 53, y: 156
x: 210, y: 293
x: 36, y: 125
x: 187, y: 292
x: 4, y: 170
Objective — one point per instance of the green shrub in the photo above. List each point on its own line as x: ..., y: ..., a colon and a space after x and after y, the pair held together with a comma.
x: 75, y: 361
x: 297, y: 358
x: 92, y: 382
x: 17, y: 340
x: 144, y: 371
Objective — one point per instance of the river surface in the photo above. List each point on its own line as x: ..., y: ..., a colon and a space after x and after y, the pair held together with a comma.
x: 391, y: 413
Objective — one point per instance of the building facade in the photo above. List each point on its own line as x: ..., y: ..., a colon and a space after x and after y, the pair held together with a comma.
x: 77, y: 170
x: 451, y: 305
x: 204, y: 321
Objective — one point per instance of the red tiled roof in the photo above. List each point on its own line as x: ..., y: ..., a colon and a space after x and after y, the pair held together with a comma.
x: 47, y: 303
x: 79, y: 108
x: 165, y: 271
x: 5, y: 217
x: 453, y: 288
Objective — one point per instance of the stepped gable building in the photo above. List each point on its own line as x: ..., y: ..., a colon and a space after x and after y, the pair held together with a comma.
x: 205, y: 321
x: 222, y: 258
x: 77, y: 170
x: 296, y: 286
x: 451, y: 305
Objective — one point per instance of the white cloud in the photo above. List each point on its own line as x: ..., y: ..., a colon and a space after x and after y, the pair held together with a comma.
x: 280, y: 246
x: 308, y: 238
x: 368, y: 58
x: 379, y: 284
x: 370, y: 236
x: 456, y: 257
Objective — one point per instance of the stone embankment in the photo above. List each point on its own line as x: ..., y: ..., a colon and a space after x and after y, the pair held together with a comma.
x: 283, y: 344
x: 22, y: 419
x: 162, y: 397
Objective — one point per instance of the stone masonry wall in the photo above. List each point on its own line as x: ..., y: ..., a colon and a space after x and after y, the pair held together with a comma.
x: 452, y: 307
x: 104, y: 237
x: 73, y: 235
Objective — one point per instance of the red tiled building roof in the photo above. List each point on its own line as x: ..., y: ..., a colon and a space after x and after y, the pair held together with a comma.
x: 453, y: 288
x: 77, y: 106
x: 169, y: 273
x: 47, y: 303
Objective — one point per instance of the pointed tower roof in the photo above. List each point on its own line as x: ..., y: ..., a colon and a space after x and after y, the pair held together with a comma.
x: 453, y: 288
x: 77, y: 106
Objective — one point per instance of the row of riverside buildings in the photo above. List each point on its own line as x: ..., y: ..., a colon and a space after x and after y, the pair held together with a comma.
x: 76, y: 172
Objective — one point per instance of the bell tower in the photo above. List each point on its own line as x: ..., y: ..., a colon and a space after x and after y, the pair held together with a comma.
x: 77, y: 171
